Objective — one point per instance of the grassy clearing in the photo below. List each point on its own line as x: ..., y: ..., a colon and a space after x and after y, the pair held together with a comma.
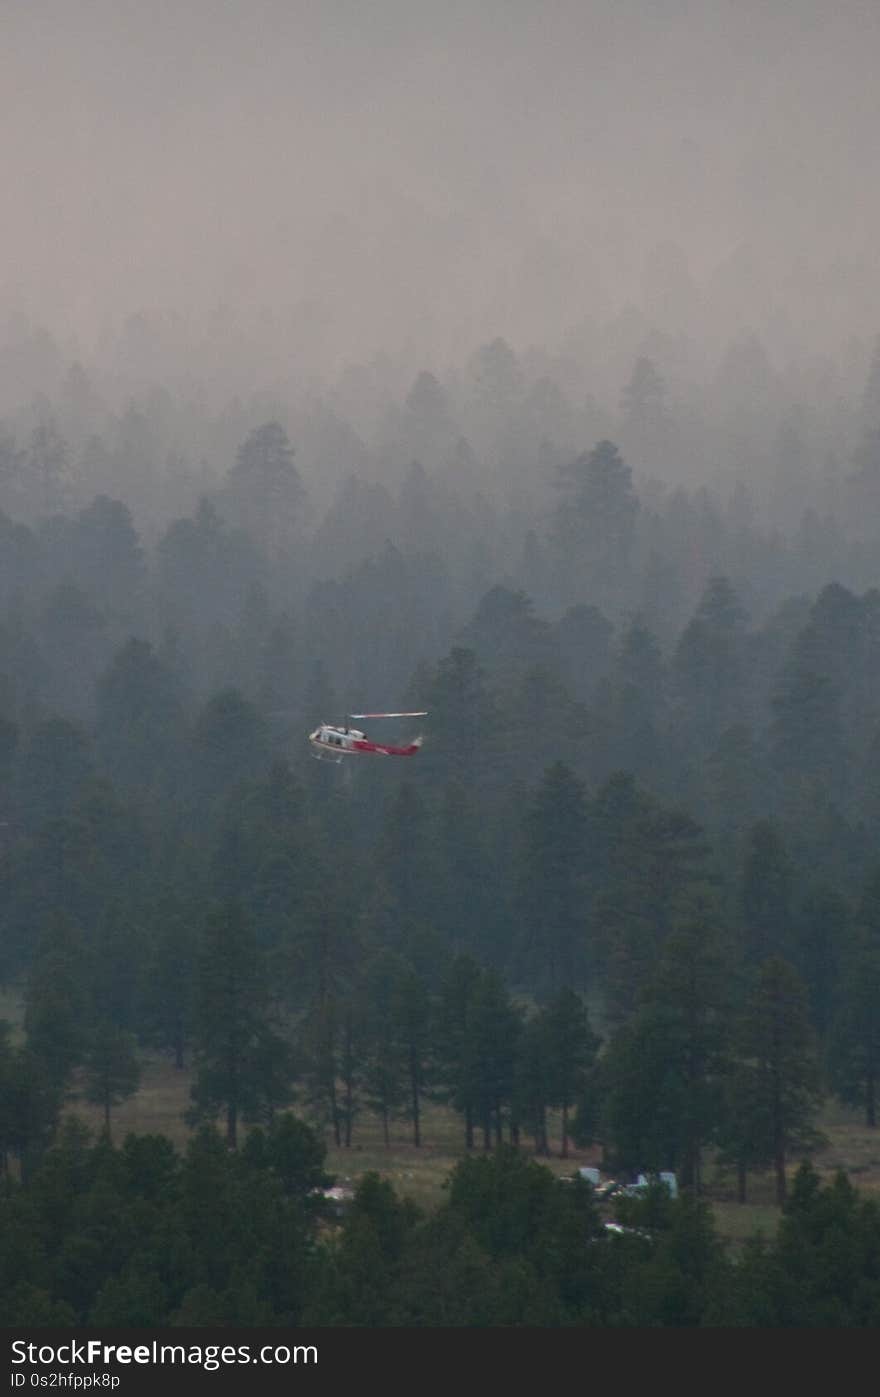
x: 853, y: 1148
x: 421, y: 1174
x: 156, y: 1108
x: 159, y: 1105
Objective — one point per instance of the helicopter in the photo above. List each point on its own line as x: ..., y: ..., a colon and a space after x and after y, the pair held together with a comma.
x: 330, y: 743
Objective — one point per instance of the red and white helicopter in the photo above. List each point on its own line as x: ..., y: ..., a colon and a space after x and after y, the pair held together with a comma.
x: 333, y: 743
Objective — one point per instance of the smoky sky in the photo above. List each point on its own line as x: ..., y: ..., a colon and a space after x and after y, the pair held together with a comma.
x: 393, y: 172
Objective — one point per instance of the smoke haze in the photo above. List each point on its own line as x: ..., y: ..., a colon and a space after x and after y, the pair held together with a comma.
x: 410, y: 178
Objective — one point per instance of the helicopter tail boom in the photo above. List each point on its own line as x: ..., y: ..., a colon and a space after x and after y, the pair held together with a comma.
x: 384, y: 750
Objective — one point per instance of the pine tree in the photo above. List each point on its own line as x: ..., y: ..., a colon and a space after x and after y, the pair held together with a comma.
x: 57, y: 1003
x: 55, y: 767
x: 744, y: 1128
x: 584, y: 640
x: 553, y: 950
x: 632, y: 702
x: 647, y: 426
x: 320, y: 1053
x: 32, y: 1101
x: 48, y: 467
x: 411, y: 1009
x: 491, y: 1047
x: 822, y: 931
x: 169, y: 992
x: 657, y: 874
x: 235, y: 1040
x: 452, y: 1046
x: 139, y: 718
x: 467, y: 908
x: 766, y: 893
x: 463, y: 719
x: 644, y: 1105
x: 352, y: 1056
x: 405, y: 855
x: 735, y: 775
x: 814, y: 1274
x: 571, y: 1048
x: 778, y: 1039
x: 664, y: 1067
x: 532, y: 1084
x: 690, y: 991
x: 594, y: 524
x: 854, y: 1039
x: 229, y: 743
x: 265, y: 489
x: 642, y: 398
x: 293, y: 1151
x: 854, y: 1049
x: 112, y: 1070
x: 386, y: 1065
x: 808, y: 731
x: 709, y: 663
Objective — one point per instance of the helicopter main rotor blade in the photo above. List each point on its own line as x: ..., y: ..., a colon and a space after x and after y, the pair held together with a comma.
x: 389, y: 715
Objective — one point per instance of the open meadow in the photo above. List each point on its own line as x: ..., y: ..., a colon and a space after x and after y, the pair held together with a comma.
x: 163, y: 1098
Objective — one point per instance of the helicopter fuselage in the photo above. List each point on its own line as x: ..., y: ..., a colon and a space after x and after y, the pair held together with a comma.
x: 335, y: 743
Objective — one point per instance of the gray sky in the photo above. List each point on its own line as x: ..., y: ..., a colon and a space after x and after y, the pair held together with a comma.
x: 393, y: 171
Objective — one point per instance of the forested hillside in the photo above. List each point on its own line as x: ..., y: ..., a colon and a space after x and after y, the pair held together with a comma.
x: 631, y: 882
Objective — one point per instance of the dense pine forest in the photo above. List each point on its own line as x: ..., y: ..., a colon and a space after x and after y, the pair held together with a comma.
x: 627, y: 895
